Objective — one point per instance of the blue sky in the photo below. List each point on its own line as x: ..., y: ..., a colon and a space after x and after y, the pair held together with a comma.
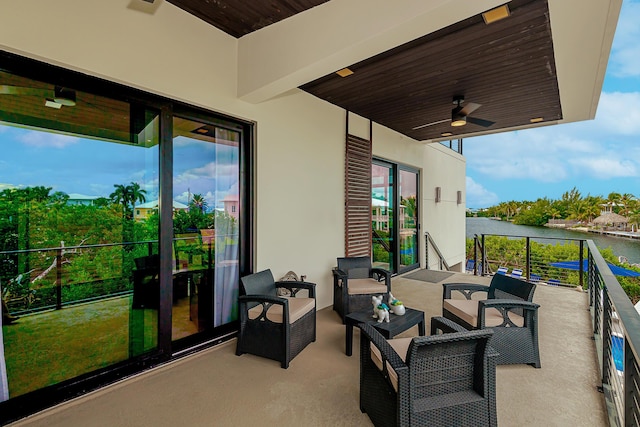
x: 597, y: 156
x: 91, y: 167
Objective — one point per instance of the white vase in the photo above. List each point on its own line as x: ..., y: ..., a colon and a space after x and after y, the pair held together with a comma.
x: 398, y: 309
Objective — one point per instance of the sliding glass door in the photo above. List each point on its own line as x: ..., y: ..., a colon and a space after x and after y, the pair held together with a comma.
x: 394, y: 216
x: 206, y: 232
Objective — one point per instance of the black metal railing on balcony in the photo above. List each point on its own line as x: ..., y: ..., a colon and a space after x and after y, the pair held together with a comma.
x: 615, y: 321
x: 50, y: 278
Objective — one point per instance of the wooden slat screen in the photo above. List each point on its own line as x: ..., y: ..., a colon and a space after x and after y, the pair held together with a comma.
x: 358, y: 197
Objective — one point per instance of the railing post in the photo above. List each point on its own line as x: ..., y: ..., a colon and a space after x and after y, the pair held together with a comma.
x: 475, y: 255
x: 59, y: 279
x: 528, y: 260
x: 426, y: 250
x: 581, y: 276
x: 484, y: 256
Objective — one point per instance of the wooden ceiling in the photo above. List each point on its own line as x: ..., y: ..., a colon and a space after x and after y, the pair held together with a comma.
x: 508, y: 67
x: 241, y: 17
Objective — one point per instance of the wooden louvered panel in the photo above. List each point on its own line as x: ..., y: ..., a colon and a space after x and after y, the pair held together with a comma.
x: 358, y: 197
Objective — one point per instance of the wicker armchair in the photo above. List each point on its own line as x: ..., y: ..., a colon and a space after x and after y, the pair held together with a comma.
x: 506, y: 309
x: 438, y: 380
x: 272, y: 326
x: 355, y: 281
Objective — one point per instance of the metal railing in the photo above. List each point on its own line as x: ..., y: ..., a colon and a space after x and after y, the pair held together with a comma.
x: 615, y: 321
x: 53, y: 277
x: 442, y: 261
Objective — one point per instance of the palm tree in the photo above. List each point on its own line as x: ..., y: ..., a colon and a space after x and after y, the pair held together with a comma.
x: 199, y: 202
x: 120, y: 195
x: 128, y: 195
x: 137, y: 195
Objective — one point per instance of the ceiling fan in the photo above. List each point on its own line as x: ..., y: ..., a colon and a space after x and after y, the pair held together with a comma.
x: 460, y: 115
x: 56, y: 98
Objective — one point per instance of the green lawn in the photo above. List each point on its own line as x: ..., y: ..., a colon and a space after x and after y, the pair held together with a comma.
x: 47, y: 348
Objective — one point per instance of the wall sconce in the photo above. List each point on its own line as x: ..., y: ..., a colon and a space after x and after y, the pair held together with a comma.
x: 459, y: 197
x: 437, y: 194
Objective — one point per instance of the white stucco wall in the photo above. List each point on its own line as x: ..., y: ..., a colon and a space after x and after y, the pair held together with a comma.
x: 300, y: 139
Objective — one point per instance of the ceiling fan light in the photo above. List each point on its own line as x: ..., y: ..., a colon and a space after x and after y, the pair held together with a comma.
x: 66, y: 97
x: 458, y: 119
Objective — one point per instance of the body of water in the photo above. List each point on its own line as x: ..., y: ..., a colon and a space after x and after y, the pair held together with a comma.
x: 620, y: 246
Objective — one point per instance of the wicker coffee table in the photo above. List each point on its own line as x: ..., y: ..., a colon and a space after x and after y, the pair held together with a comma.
x: 397, y: 324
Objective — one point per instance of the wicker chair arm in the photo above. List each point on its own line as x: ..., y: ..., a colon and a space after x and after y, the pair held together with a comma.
x: 387, y: 352
x: 295, y: 286
x: 339, y: 274
x: 260, y: 299
x: 245, y: 302
x: 445, y: 325
x: 515, y: 303
x: 467, y: 289
x: 505, y: 306
x: 381, y: 273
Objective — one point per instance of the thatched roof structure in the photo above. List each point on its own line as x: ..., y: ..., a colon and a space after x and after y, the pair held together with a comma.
x: 611, y: 218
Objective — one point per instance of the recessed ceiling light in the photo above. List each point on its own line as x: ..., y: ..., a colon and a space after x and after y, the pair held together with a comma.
x: 446, y: 134
x: 536, y: 120
x: 344, y: 72
x: 496, y: 14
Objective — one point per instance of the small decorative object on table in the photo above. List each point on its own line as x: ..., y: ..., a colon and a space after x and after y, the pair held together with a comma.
x: 380, y: 309
x: 397, y: 307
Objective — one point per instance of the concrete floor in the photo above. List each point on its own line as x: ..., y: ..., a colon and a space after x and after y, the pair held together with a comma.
x: 217, y: 388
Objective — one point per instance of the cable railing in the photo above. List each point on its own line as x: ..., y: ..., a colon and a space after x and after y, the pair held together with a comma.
x: 615, y: 323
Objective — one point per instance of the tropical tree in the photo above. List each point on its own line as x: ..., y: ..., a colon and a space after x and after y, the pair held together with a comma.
x: 198, y: 202
x: 137, y: 194
x: 127, y: 196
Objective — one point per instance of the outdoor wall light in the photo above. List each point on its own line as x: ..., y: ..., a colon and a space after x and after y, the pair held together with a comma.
x: 437, y: 194
x: 459, y: 197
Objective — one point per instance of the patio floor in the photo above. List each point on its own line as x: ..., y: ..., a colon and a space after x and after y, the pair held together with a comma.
x: 320, y: 388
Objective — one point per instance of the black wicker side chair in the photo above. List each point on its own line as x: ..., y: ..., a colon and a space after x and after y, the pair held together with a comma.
x: 272, y: 326
x: 355, y: 281
x: 437, y: 380
x: 506, y: 307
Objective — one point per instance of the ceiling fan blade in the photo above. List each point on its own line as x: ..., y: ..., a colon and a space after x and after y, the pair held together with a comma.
x: 480, y: 122
x: 431, y: 124
x: 469, y: 108
x: 22, y: 90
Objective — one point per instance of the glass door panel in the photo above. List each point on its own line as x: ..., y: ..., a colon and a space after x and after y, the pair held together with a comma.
x: 408, y: 218
x: 206, y: 233
x: 382, y: 216
x: 75, y: 168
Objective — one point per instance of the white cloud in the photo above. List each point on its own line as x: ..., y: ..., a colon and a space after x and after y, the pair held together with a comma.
x: 618, y: 114
x: 45, y: 139
x: 597, y: 149
x: 625, y: 53
x: 6, y: 186
x: 478, y: 196
x: 603, y: 168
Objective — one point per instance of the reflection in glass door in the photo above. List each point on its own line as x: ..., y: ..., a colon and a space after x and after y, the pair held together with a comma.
x: 394, y: 238
x: 206, y: 235
x: 382, y: 216
x: 408, y: 218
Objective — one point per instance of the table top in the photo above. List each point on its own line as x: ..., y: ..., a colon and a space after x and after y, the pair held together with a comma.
x: 410, y: 318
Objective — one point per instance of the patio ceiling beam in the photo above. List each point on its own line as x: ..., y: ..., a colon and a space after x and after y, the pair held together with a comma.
x: 334, y: 35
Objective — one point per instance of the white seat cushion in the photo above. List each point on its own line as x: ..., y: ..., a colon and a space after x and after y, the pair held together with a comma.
x: 298, y: 307
x: 467, y: 310
x: 366, y: 286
